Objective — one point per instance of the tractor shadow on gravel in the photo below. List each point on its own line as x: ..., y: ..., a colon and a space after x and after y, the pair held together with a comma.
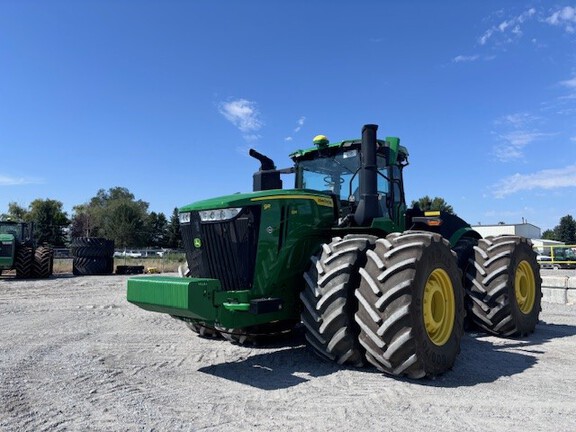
x: 291, y: 363
x: 483, y: 359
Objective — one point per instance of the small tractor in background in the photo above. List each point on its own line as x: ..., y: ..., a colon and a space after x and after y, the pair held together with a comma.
x: 371, y: 280
x: 18, y: 251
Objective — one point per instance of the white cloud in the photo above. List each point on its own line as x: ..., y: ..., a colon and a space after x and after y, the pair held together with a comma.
x: 517, y: 120
x: 487, y: 35
x: 565, y: 17
x: 17, y: 181
x: 301, y: 121
x: 511, y: 28
x: 297, y: 129
x: 465, y: 59
x: 545, y: 179
x: 516, y: 131
x: 522, y: 138
x: 513, y: 143
x: 506, y: 153
x: 571, y: 83
x: 244, y: 115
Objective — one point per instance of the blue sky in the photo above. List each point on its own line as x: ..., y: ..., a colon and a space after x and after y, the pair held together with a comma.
x: 166, y: 97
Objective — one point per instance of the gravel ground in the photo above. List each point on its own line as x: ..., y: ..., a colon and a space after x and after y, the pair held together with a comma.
x: 74, y: 355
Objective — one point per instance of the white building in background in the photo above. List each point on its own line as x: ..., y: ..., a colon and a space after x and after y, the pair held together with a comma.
x: 523, y: 229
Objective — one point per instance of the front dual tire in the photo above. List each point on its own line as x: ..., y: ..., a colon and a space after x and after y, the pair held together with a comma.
x: 327, y: 299
x: 404, y: 312
x: 410, y: 305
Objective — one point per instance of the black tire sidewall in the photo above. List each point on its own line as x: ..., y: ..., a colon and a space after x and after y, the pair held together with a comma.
x: 436, y: 359
x: 92, y: 247
x: 92, y: 266
x: 525, y: 323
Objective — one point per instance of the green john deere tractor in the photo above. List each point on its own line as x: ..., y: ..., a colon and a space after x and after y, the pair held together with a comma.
x: 18, y: 251
x: 370, y: 280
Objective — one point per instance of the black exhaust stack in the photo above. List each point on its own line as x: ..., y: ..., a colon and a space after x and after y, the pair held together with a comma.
x: 368, y: 207
x: 267, y: 177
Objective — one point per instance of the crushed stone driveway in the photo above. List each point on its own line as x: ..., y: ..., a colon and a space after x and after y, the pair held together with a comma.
x: 76, y: 356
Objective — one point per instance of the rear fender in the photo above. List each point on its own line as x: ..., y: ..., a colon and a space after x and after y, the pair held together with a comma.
x: 450, y: 226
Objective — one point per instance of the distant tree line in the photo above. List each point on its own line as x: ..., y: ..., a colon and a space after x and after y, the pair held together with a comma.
x: 565, y: 231
x: 114, y: 214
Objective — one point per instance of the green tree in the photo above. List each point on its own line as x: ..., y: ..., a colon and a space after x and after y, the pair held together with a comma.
x: 157, y: 229
x: 83, y: 222
x: 49, y: 221
x: 566, y: 230
x: 124, y: 223
x: 437, y: 203
x: 17, y: 212
x: 114, y: 214
x: 174, y: 235
x: 48, y: 216
x: 549, y: 235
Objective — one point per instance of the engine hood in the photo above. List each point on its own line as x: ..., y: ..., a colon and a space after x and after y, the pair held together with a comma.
x: 255, y: 198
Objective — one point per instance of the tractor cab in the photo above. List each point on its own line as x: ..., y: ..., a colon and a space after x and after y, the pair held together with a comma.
x: 353, y: 175
x: 20, y: 231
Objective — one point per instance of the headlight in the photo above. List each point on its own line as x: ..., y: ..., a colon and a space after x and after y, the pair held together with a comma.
x: 184, y: 217
x: 219, y: 214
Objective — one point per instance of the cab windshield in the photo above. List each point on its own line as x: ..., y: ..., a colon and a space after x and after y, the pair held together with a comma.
x: 338, y: 174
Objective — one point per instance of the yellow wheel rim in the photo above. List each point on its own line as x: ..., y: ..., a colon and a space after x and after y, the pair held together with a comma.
x: 439, y: 307
x: 525, y: 287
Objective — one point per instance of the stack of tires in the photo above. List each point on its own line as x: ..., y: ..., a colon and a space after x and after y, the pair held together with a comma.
x: 92, y: 256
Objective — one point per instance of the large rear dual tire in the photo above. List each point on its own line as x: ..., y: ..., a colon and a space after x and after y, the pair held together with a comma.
x: 43, y: 264
x: 30, y: 263
x: 24, y: 262
x: 504, y: 287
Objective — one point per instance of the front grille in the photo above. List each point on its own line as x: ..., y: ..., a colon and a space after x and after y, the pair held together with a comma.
x: 223, y: 250
x: 5, y: 249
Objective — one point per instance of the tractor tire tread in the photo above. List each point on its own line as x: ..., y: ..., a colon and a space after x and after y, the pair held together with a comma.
x: 328, y: 299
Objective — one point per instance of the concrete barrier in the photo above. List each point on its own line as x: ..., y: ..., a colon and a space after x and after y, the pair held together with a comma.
x: 571, y: 290
x: 559, y: 289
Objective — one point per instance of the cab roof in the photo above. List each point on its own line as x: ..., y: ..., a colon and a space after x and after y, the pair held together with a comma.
x: 313, y: 152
